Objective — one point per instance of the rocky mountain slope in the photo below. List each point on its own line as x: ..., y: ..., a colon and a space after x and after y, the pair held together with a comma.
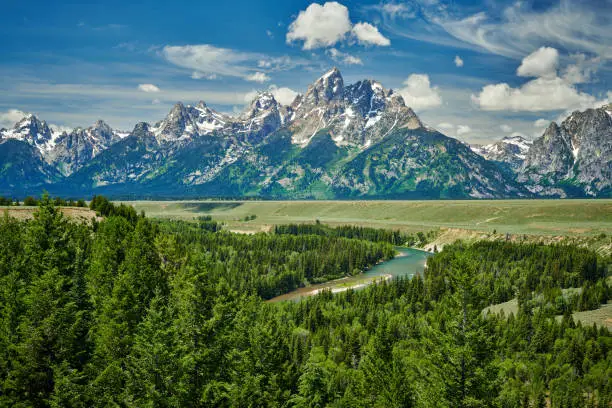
x: 334, y: 141
x: 572, y: 158
x: 22, y: 165
x: 511, y: 150
x: 66, y: 151
x: 359, y: 114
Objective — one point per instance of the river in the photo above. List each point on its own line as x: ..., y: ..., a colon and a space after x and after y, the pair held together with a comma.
x: 407, y: 262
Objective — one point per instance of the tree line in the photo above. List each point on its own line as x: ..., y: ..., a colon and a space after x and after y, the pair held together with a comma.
x: 394, y: 237
x: 30, y: 201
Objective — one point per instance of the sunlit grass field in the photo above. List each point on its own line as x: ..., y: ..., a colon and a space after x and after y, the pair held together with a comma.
x: 539, y: 217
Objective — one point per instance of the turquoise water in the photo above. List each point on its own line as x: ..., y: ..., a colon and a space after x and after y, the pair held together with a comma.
x: 407, y: 262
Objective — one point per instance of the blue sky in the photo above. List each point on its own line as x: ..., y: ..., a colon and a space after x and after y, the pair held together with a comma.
x: 476, y: 70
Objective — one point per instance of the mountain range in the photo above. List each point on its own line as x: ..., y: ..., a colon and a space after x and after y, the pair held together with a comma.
x: 334, y: 141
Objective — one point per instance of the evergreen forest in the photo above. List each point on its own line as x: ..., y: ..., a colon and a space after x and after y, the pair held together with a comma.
x: 127, y: 311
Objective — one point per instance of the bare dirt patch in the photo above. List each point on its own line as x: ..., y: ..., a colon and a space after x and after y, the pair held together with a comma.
x: 76, y: 213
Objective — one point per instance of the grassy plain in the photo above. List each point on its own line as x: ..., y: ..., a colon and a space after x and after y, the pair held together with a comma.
x: 539, y: 217
x: 601, y: 316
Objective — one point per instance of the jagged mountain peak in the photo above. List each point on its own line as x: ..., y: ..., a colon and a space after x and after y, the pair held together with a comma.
x: 359, y: 106
x: 98, y: 129
x: 263, y: 101
x: 328, y: 87
x: 356, y: 114
x: 516, y: 138
x: 263, y: 116
x: 521, y: 142
x: 32, y: 130
x: 330, y: 76
x: 511, y: 150
x: 178, y: 123
x: 141, y: 129
x: 576, y: 153
x: 102, y: 126
x: 204, y: 111
x: 596, y: 120
x: 366, y: 96
x: 27, y: 118
x: 552, y: 130
x: 177, y: 113
x: 185, y: 122
x: 32, y: 122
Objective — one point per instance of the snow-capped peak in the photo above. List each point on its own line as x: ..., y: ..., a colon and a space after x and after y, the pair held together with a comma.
x: 32, y: 130
x: 511, y: 149
x: 519, y: 141
x: 185, y: 122
x: 328, y: 87
x: 331, y: 73
x: 353, y: 113
x: 264, y: 101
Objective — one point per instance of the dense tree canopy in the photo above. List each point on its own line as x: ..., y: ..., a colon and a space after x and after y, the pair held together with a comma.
x: 129, y: 312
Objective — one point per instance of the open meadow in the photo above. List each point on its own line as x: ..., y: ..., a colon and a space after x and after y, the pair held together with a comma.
x: 538, y: 217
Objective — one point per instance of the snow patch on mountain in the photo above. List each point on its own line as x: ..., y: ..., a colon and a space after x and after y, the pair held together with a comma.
x: 511, y: 150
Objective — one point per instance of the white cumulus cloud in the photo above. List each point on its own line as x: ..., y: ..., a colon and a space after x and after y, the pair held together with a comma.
x: 367, y: 34
x: 445, y: 126
x: 458, y: 61
x: 547, y: 92
x: 148, y: 88
x: 418, y: 92
x: 463, y: 129
x: 506, y: 128
x: 320, y: 25
x: 283, y: 95
x: 540, y: 63
x: 258, y: 77
x: 540, y: 123
x: 10, y: 117
x: 451, y: 129
x: 541, y: 94
x: 343, y: 57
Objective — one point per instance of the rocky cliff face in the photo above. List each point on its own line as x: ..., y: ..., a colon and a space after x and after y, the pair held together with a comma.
x: 573, y: 157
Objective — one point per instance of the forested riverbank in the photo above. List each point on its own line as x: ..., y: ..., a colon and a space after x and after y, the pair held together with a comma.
x: 131, y: 312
